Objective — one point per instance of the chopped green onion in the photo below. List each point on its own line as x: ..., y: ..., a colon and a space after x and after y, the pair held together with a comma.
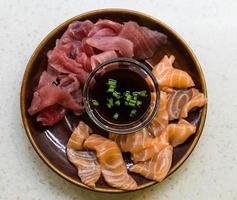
x: 133, y: 101
x: 135, y: 94
x: 131, y: 104
x: 112, y: 86
x: 116, y: 115
x: 95, y: 102
x: 110, y: 103
x: 116, y: 95
x: 110, y: 90
x: 112, y: 82
x: 133, y: 113
x: 110, y: 100
x: 126, y: 93
x: 139, y: 103
x: 143, y: 93
x: 135, y: 98
x: 117, y: 103
x: 128, y: 97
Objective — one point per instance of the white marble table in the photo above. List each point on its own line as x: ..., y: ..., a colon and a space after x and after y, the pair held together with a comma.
x: 210, y: 29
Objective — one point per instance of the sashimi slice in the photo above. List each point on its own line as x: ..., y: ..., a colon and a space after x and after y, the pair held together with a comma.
x: 105, y: 32
x: 45, y: 79
x: 86, y: 163
x: 198, y: 100
x: 69, y: 83
x: 115, y: 27
x: 142, y: 145
x: 158, y: 167
x: 179, y: 133
x: 133, y: 142
x: 160, y: 121
x: 84, y: 60
x: 176, y: 101
x: 111, y: 161
x: 180, y: 102
x: 80, y: 133
x: 51, y: 115
x: 88, y: 167
x: 58, y: 60
x: 123, y: 46
x: 168, y: 76
x: 145, y: 154
x: 78, y: 30
x: 146, y: 42
x: 51, y: 95
x: 102, y: 57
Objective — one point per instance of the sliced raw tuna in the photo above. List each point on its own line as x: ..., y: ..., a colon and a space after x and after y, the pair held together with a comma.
x: 87, y: 49
x: 66, y: 46
x: 51, y: 115
x: 71, y: 39
x: 77, y: 96
x: 78, y: 30
x: 145, y: 41
x: 76, y: 47
x: 102, y: 57
x: 51, y: 95
x: 104, y: 32
x: 123, y: 46
x: 105, y: 23
x: 58, y: 60
x: 46, y: 79
x: 69, y: 83
x: 84, y: 60
x: 82, y: 47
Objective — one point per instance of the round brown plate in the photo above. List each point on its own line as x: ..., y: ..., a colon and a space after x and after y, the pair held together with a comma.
x: 50, y: 142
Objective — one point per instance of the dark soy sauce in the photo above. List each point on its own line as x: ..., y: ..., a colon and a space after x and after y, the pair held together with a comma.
x: 126, y: 80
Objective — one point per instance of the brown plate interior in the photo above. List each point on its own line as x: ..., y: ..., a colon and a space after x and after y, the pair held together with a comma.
x: 50, y: 142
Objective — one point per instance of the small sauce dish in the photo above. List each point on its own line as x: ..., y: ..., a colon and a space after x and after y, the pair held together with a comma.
x: 114, y: 109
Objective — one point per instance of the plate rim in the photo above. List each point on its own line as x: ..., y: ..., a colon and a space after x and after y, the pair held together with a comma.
x: 29, y: 66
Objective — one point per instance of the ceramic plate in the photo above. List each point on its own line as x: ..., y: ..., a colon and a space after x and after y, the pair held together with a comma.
x: 50, y: 142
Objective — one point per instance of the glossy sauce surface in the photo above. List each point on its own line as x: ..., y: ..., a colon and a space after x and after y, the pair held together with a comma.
x: 127, y: 80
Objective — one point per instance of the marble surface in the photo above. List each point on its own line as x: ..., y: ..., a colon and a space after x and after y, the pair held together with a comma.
x: 208, y: 26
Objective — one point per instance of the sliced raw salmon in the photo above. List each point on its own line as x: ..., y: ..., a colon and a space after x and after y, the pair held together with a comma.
x: 168, y: 76
x: 111, y: 161
x: 88, y: 167
x: 160, y: 121
x: 133, y: 142
x: 147, y: 153
x: 142, y: 145
x: 198, y: 100
x: 176, y: 101
x: 180, y: 132
x: 86, y: 163
x: 80, y: 133
x: 180, y: 102
x: 158, y: 167
x: 173, y: 134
